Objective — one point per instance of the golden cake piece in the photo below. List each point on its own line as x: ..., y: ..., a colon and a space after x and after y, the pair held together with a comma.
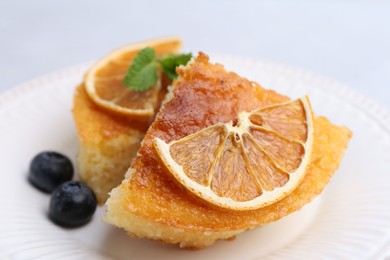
x: 111, y: 120
x: 151, y: 204
x: 107, y: 144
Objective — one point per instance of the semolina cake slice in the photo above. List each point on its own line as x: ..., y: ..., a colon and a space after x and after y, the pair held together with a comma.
x: 108, y: 141
x: 150, y: 204
x: 107, y: 144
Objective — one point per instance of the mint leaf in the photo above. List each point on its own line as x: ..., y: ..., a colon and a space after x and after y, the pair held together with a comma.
x: 142, y: 73
x: 171, y: 61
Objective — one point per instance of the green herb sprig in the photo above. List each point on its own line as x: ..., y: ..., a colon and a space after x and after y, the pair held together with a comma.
x: 143, y: 71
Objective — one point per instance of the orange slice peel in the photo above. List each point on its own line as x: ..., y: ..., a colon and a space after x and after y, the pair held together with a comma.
x: 103, y: 82
x: 248, y: 165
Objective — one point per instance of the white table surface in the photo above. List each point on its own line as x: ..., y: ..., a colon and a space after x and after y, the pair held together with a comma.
x: 345, y: 40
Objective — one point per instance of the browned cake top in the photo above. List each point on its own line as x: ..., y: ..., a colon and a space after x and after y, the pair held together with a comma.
x: 95, y: 125
x: 203, y: 95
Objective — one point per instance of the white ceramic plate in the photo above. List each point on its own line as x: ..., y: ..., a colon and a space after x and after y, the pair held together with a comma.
x: 350, y: 220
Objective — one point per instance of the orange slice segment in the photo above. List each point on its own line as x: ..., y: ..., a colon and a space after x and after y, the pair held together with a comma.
x: 245, y: 166
x: 103, y: 82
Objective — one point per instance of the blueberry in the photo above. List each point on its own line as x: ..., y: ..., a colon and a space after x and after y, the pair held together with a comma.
x: 48, y: 170
x: 72, y: 204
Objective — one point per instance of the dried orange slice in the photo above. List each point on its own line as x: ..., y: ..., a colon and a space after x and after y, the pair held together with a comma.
x: 245, y: 166
x: 103, y: 82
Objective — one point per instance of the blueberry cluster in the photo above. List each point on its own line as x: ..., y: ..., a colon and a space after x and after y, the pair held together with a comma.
x: 72, y: 203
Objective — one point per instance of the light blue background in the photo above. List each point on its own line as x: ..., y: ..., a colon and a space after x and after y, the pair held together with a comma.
x: 346, y: 40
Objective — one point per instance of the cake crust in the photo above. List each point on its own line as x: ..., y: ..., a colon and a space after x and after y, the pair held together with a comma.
x: 107, y: 144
